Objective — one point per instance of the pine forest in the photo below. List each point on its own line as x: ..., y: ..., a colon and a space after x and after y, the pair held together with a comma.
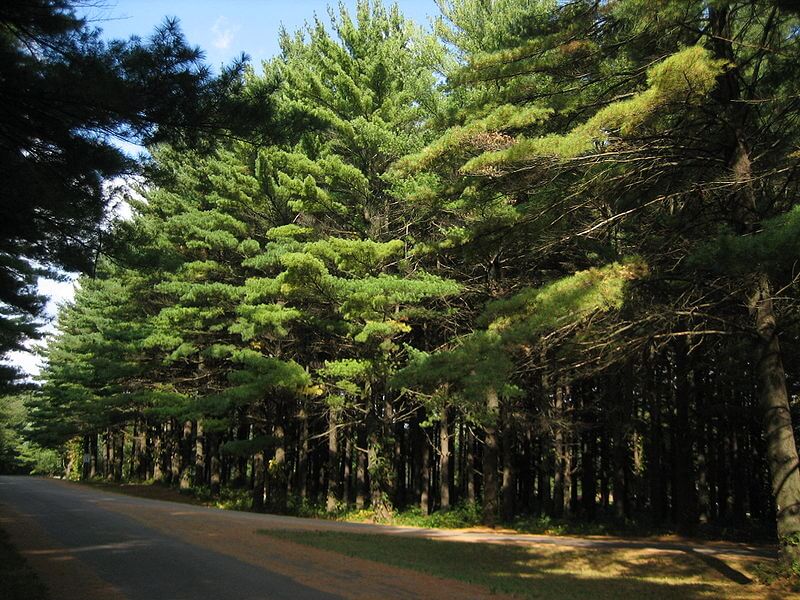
x: 535, y: 260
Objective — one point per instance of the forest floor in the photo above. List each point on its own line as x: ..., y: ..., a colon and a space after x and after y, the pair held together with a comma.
x: 525, y: 565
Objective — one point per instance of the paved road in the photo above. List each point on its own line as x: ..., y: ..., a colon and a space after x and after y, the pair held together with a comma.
x: 140, y: 561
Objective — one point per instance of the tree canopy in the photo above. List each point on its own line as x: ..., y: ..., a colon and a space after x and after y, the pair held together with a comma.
x: 67, y: 97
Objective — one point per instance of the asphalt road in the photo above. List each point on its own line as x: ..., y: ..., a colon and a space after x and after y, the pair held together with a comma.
x: 140, y: 561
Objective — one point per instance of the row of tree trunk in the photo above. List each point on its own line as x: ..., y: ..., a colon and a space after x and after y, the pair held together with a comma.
x: 670, y: 440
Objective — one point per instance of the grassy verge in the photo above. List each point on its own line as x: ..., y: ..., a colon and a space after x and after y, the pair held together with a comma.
x: 17, y: 579
x: 551, y: 572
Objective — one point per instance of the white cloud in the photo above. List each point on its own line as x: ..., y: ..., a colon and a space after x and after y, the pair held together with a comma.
x: 223, y: 31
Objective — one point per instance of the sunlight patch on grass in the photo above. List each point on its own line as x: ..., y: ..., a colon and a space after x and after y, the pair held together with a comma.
x: 547, y: 571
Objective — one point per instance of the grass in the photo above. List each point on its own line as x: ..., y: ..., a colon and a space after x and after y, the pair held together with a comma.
x: 552, y: 572
x: 17, y: 580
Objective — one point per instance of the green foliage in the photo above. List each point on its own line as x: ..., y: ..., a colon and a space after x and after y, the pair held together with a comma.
x: 18, y: 454
x: 503, y: 118
x: 462, y: 515
x: 68, y: 94
x: 565, y: 301
x: 686, y: 76
x: 773, y: 248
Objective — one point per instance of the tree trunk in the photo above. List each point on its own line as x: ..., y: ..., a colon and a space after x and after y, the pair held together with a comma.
x: 469, y: 471
x: 215, y: 470
x: 277, y: 470
x: 685, y: 497
x: 621, y: 415
x: 400, y: 463
x: 543, y: 476
x: 490, y: 459
x: 444, y: 462
x: 199, y: 456
x: 778, y: 432
x: 376, y: 465
x: 361, y: 469
x: 509, y: 483
x: 93, y: 470
x: 135, y: 457
x: 425, y: 475
x: 333, y: 460
x: 558, y: 452
x: 86, y: 458
x: 259, y: 480
x: 158, y: 458
x: 348, y: 459
x: 186, y: 456
x: 302, y: 456
x: 589, y: 473
x: 119, y: 454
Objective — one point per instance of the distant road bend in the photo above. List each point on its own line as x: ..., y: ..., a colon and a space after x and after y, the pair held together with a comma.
x: 89, y: 545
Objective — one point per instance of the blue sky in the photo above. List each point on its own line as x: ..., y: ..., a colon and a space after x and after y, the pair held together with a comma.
x: 224, y: 30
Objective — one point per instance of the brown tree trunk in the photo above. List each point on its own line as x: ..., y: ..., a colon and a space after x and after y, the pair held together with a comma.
x: 135, y: 460
x: 361, y: 469
x: 685, y: 497
x: 543, y: 488
x: 655, y: 446
x: 348, y: 459
x: 621, y: 415
x: 469, y: 471
x: 158, y: 458
x: 490, y: 459
x: 559, y: 452
x: 333, y: 460
x: 119, y: 454
x: 444, y: 462
x: 302, y: 456
x: 778, y: 432
x: 509, y: 479
x: 277, y: 471
x: 93, y: 472
x: 85, y: 459
x: 376, y: 467
x: 259, y: 480
x: 199, y: 456
x: 186, y: 449
x: 589, y: 473
x: 215, y: 471
x: 425, y: 476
